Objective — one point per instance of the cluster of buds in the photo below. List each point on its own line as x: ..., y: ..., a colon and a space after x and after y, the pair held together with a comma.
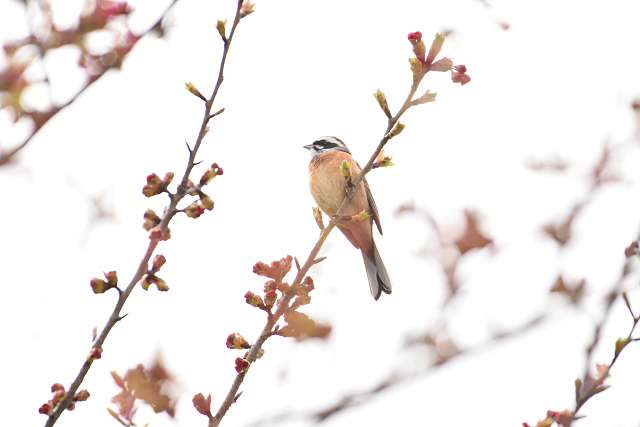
x: 209, y: 174
x: 155, y: 185
x: 100, y: 286
x: 59, y: 394
x: 237, y: 341
x: 460, y: 75
x: 561, y: 418
x: 156, y: 233
x: 423, y: 63
x: 382, y: 161
x: 242, y: 365
x: 150, y: 277
x: 276, y: 271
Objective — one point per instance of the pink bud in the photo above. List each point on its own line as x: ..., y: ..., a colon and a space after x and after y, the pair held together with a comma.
x: 158, y: 262
x: 45, y: 409
x: 94, y: 354
x: 415, y: 37
x: 241, y: 365
x: 56, y: 387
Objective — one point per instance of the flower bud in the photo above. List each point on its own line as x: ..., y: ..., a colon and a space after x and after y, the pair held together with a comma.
x: 237, y: 341
x: 415, y: 37
x: 191, y: 88
x: 45, y: 409
x: 416, y: 67
x: 383, y: 161
x: 620, y: 344
x: 253, y: 299
x: 260, y: 353
x: 463, y: 79
x: 112, y: 278
x: 436, y: 46
x: 246, y: 9
x: 158, y: 262
x: 206, y: 202
x: 220, y: 26
x: 317, y: 214
x: 419, y: 49
x: 396, y: 130
x: 151, y: 219
x: 461, y: 68
x: 346, y: 170
x: 81, y: 396
x: 161, y: 284
x: 241, y: 365
x: 270, y: 285
x: 95, y: 353
x: 99, y: 286
x: 270, y: 298
x: 194, y: 210
x: 56, y: 387
x: 382, y: 101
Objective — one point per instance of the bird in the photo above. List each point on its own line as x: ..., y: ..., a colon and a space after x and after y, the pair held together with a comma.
x: 328, y: 188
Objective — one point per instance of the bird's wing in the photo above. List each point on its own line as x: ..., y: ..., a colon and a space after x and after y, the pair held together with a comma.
x: 372, y: 204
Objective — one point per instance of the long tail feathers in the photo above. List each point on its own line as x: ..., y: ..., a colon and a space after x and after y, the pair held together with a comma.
x: 379, y: 280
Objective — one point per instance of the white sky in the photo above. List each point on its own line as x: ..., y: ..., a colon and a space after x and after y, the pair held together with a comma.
x: 559, y: 81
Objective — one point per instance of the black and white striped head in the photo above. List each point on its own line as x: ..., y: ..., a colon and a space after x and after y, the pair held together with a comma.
x: 327, y: 143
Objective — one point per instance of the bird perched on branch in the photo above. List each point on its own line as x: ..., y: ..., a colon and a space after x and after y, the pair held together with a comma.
x: 328, y: 184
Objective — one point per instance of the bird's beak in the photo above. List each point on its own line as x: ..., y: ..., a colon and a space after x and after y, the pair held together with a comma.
x: 308, y: 147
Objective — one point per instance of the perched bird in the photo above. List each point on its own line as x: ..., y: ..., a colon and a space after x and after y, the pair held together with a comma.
x: 328, y: 188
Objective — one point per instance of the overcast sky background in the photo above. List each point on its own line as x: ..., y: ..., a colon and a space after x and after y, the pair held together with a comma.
x: 559, y: 81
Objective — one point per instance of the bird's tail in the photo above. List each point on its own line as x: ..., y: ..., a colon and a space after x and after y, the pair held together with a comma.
x: 379, y: 280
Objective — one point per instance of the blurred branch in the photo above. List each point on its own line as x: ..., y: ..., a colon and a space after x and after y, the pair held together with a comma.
x: 41, y: 118
x: 395, y: 379
x: 588, y: 386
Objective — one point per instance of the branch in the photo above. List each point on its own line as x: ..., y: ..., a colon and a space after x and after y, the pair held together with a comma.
x: 267, y: 330
x: 142, y: 268
x: 6, y: 157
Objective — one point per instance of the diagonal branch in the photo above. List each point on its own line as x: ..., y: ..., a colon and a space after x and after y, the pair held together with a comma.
x: 142, y: 268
